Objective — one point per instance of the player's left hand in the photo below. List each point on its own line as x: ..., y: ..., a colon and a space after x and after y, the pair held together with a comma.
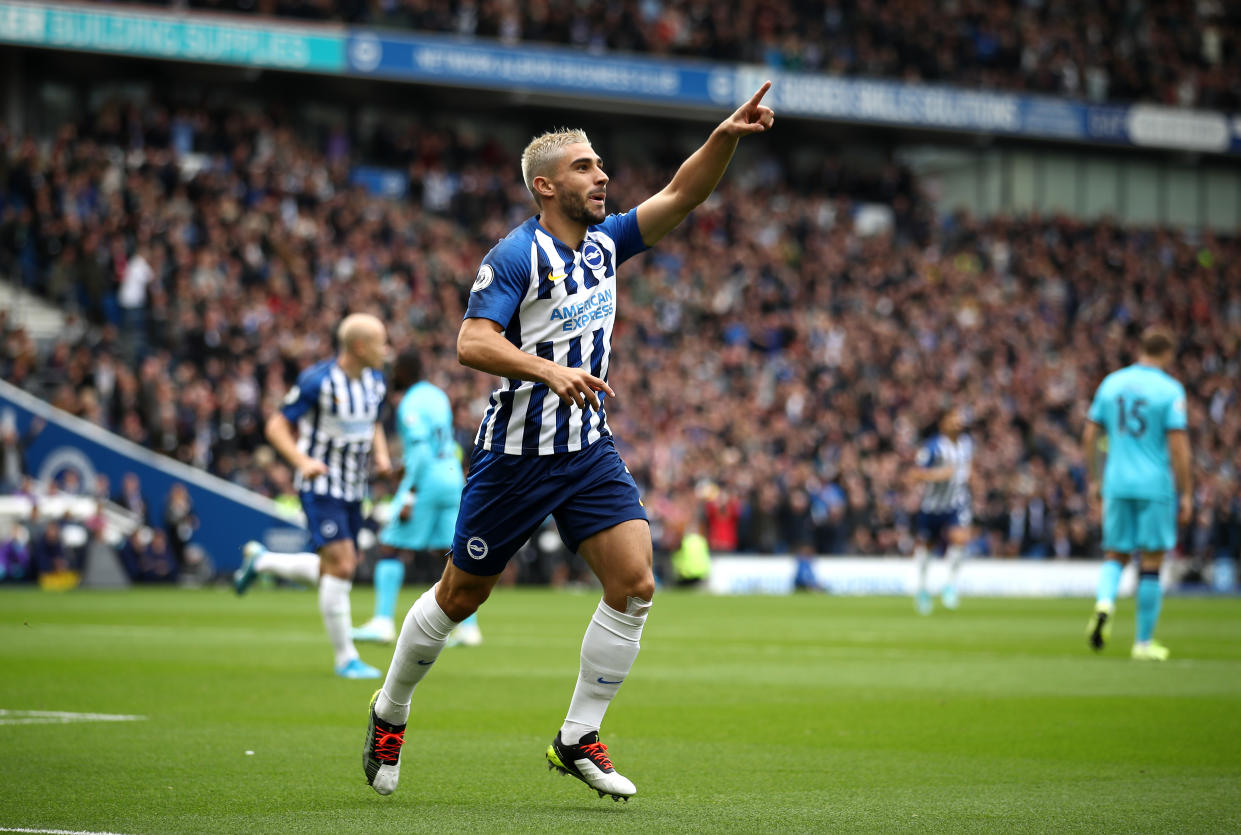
x: 1186, y: 509
x: 751, y: 117
x: 383, y: 468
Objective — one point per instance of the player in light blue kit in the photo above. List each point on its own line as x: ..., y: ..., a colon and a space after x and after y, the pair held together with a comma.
x: 1142, y: 411
x: 944, y: 516
x: 424, y: 510
x: 540, y: 317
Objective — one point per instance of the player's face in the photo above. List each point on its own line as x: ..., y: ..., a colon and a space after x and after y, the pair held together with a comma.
x: 952, y: 423
x: 581, y: 185
x: 373, y: 349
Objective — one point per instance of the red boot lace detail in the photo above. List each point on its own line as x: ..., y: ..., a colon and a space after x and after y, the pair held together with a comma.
x: 598, y: 753
x: 388, y: 745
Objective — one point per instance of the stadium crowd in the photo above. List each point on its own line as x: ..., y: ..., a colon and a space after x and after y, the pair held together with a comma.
x: 1175, y: 52
x: 777, y: 363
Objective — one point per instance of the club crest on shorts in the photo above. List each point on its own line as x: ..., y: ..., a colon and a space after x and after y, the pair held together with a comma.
x: 484, y: 278
x: 476, y: 547
x: 328, y: 528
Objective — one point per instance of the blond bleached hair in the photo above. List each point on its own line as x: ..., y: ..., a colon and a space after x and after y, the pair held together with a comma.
x: 543, y: 152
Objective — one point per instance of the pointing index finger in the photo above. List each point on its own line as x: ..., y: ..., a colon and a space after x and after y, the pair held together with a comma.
x: 762, y: 91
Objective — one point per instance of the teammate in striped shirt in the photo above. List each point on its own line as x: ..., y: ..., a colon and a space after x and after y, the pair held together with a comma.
x: 944, y: 517
x: 329, y: 430
x: 540, y: 318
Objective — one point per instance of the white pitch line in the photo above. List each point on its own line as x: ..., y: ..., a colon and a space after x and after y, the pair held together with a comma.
x: 55, y: 831
x: 59, y: 717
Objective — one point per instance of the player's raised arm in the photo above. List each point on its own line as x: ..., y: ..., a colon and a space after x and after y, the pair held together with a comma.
x: 701, y: 172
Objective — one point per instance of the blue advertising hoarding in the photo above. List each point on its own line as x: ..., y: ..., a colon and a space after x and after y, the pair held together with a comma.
x: 440, y: 59
x: 448, y: 60
x: 228, y: 515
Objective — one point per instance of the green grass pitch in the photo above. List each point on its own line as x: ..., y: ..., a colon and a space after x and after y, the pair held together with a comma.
x: 794, y: 714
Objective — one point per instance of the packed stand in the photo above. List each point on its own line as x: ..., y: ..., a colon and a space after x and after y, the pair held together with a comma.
x: 1169, y: 51
x: 777, y: 364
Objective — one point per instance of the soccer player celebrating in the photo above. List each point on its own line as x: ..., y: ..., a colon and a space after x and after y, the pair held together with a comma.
x: 540, y: 317
x: 424, y: 510
x: 1141, y: 409
x: 335, y: 406
x: 944, y: 466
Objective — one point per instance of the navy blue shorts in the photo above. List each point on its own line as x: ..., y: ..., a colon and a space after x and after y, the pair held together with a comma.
x: 933, y: 527
x: 507, y: 497
x: 330, y: 519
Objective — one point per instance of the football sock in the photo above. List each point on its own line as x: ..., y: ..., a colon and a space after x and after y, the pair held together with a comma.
x: 1150, y: 601
x: 1109, y: 583
x: 337, y: 617
x: 922, y: 560
x: 423, y: 634
x: 955, y: 554
x: 609, y: 649
x: 389, y: 575
x: 300, y: 568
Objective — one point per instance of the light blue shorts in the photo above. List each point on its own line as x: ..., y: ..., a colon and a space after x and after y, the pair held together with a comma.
x: 1138, y: 525
x: 431, y: 525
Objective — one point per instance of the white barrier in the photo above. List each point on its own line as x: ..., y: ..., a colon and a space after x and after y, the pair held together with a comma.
x: 735, y: 574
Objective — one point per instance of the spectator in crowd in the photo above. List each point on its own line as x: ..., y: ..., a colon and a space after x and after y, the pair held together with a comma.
x: 131, y: 498
x: 180, y: 522
x: 15, y: 561
x: 13, y: 451
x: 147, y: 557
x: 49, y: 552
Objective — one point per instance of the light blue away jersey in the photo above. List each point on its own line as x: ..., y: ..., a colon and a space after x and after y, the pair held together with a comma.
x: 335, y: 418
x: 424, y: 421
x: 1137, y: 406
x: 953, y: 493
x: 559, y: 304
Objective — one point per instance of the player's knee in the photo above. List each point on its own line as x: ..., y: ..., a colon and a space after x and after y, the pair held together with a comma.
x: 639, y: 583
x: 460, y: 594
x: 338, y: 559
x: 460, y: 602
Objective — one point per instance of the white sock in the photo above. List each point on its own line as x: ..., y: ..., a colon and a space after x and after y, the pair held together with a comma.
x: 300, y: 568
x: 954, y: 555
x: 423, y: 635
x: 609, y: 649
x: 922, y: 560
x: 337, y: 618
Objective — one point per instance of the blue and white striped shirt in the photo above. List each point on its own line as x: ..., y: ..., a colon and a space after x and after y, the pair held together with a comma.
x: 952, y: 493
x: 560, y: 304
x: 335, y: 418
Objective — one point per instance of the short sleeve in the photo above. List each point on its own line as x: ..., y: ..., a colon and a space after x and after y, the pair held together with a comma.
x: 925, y: 456
x: 1176, y: 418
x: 413, y: 427
x: 623, y: 230
x: 1098, y: 408
x: 300, y: 399
x: 500, y: 285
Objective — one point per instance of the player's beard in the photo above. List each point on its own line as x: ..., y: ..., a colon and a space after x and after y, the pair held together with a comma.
x: 579, y: 209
